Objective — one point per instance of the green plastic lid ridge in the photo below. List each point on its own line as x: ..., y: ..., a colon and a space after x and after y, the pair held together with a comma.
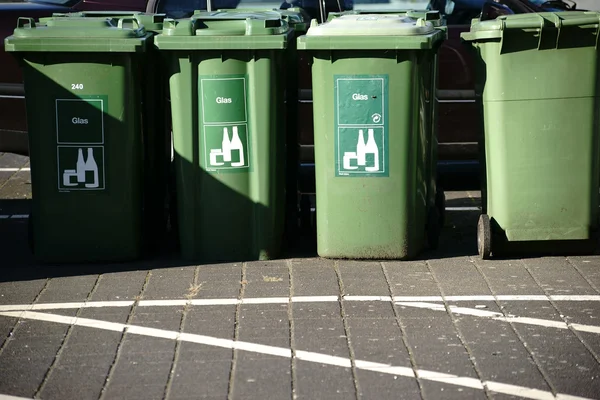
x: 493, y: 29
x: 372, y: 25
x: 226, y: 25
x: 59, y: 27
x: 78, y: 35
x: 150, y: 21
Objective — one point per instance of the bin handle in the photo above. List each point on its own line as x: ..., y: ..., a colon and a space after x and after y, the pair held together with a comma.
x: 134, y: 22
x: 551, y: 20
x: 25, y: 22
x: 590, y: 19
x: 509, y: 25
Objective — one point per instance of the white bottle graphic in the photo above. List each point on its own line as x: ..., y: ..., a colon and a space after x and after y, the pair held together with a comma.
x: 361, y: 148
x: 348, y: 157
x: 226, y: 146
x: 67, y: 175
x: 236, y: 144
x: 371, y: 148
x: 90, y: 165
x: 80, y: 167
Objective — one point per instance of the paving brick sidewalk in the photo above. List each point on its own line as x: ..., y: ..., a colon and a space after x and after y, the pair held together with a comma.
x: 447, y: 326
x: 246, y: 320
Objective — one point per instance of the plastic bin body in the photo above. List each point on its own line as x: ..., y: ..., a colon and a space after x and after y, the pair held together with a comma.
x: 227, y: 90
x: 83, y: 95
x: 538, y: 78
x: 156, y: 127
x: 372, y: 75
x: 298, y: 20
x: 430, y: 66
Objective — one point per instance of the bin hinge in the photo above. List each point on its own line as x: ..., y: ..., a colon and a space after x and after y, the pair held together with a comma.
x: 25, y: 22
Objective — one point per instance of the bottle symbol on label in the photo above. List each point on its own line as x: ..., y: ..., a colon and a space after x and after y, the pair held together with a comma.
x: 227, y: 148
x: 360, y: 155
x: 81, y: 168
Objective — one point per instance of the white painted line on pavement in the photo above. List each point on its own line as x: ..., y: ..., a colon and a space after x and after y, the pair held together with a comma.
x: 65, y: 306
x: 367, y: 298
x: 14, y: 216
x: 295, y: 299
x: 162, y: 303
x: 212, y: 302
x: 585, y: 328
x: 315, y: 299
x: 524, y: 392
x: 417, y: 298
x: 326, y: 359
x: 14, y: 169
x: 501, y: 317
x: 498, y: 387
x: 463, y: 208
x: 7, y: 397
x: 453, y: 379
x: 266, y: 300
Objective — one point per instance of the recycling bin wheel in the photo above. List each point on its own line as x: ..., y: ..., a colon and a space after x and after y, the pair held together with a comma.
x: 484, y: 237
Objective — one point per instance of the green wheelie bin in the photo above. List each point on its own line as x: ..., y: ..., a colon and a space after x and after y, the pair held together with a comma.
x: 83, y: 98
x: 430, y: 93
x: 538, y: 79
x: 373, y: 141
x: 227, y: 88
x: 298, y: 20
x: 156, y: 128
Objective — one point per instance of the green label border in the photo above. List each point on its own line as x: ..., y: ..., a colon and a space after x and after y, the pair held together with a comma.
x: 376, y: 126
x: 205, y: 152
x: 103, y: 144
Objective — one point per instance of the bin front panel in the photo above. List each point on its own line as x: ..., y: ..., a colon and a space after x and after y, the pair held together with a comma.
x: 372, y: 96
x: 85, y: 155
x: 156, y: 129
x: 542, y: 167
x: 539, y: 79
x: 377, y: 214
x: 229, y: 153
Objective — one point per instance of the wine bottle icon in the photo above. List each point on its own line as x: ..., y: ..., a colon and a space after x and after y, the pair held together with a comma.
x: 362, y: 149
x: 236, y: 144
x: 91, y: 166
x: 82, y: 167
x: 227, y: 148
x: 371, y: 148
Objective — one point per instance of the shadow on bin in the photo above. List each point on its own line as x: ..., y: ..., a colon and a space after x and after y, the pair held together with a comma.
x: 218, y: 215
x: 97, y: 183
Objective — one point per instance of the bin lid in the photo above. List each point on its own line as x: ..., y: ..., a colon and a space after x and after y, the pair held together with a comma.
x: 494, y: 28
x: 152, y: 22
x: 78, y: 34
x: 371, y: 32
x: 432, y: 16
x: 296, y: 17
x: 225, y: 31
